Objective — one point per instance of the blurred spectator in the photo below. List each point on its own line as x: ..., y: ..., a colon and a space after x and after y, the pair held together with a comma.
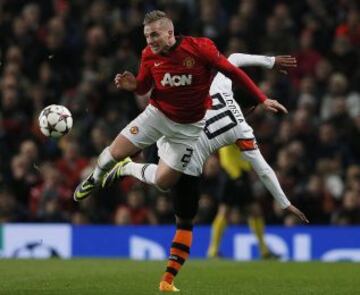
x: 29, y: 150
x: 349, y: 211
x: 72, y: 163
x: 307, y: 95
x: 338, y: 88
x: 10, y: 210
x: 307, y: 57
x: 322, y: 73
x: 351, y: 27
x: 50, y: 199
x: 343, y: 58
x: 303, y: 126
x: 353, y: 139
x: 313, y: 200
x: 353, y: 178
x: 330, y: 146
x: 163, y: 210
x: 207, y: 209
x: 277, y: 39
x: 211, y: 19
x: 23, y: 178
x: 135, y: 210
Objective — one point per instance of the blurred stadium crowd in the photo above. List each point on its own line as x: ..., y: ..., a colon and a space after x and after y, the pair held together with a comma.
x: 68, y: 52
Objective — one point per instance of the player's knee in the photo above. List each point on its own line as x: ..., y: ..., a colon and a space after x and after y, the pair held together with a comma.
x: 166, y: 177
x: 116, y: 152
x: 164, y: 185
x: 121, y: 148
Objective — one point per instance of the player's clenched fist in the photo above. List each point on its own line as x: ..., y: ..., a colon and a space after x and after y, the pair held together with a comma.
x: 126, y: 81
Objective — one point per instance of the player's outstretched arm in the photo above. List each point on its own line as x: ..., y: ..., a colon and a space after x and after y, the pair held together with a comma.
x: 292, y: 209
x: 241, y: 77
x: 280, y: 62
x: 238, y: 75
x: 253, y: 60
x: 269, y: 179
x: 208, y: 51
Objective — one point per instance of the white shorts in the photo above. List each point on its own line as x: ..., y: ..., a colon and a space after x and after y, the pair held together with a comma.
x: 241, y: 134
x: 175, y: 141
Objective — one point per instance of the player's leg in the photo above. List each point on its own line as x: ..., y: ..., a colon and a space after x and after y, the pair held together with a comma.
x: 186, y: 199
x: 120, y: 148
x: 217, y: 230
x: 145, y: 172
x: 135, y: 136
x: 257, y: 226
x: 174, y: 160
x: 236, y: 193
x: 160, y: 175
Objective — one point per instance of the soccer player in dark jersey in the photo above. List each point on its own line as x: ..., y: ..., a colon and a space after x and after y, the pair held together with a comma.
x: 178, y: 72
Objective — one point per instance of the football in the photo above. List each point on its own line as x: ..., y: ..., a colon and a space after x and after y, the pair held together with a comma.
x: 55, y: 121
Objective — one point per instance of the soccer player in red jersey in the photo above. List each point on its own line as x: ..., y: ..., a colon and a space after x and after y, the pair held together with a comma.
x: 178, y: 71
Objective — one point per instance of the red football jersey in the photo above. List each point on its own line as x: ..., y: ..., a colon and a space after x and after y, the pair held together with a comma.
x: 180, y: 80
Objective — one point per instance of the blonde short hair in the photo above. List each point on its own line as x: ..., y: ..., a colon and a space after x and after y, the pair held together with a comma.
x: 153, y: 16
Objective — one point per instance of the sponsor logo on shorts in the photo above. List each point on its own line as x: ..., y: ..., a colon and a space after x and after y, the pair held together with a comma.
x: 134, y: 130
x: 189, y: 62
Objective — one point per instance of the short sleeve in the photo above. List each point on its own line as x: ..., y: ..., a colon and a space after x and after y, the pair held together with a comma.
x: 144, y: 77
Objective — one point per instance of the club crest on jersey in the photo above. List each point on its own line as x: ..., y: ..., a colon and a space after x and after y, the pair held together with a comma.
x: 188, y: 62
x: 176, y: 80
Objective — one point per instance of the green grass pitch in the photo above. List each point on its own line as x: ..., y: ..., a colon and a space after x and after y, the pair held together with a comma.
x: 123, y: 277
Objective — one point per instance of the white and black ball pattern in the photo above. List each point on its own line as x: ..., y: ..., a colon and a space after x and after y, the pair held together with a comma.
x: 55, y: 121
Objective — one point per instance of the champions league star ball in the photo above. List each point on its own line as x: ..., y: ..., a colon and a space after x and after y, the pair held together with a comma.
x: 55, y: 121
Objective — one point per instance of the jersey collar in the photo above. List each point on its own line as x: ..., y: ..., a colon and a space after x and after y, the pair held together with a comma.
x: 176, y: 45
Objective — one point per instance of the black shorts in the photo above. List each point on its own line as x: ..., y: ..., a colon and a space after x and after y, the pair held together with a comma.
x: 237, y: 192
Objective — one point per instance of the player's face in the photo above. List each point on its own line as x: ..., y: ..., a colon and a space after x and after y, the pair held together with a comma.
x: 157, y: 36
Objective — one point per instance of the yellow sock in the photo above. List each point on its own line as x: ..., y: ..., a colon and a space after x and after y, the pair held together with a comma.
x: 217, y: 230
x: 257, y: 226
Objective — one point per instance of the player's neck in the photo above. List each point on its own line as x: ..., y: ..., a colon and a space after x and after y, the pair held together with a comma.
x: 171, y: 45
x: 172, y: 41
